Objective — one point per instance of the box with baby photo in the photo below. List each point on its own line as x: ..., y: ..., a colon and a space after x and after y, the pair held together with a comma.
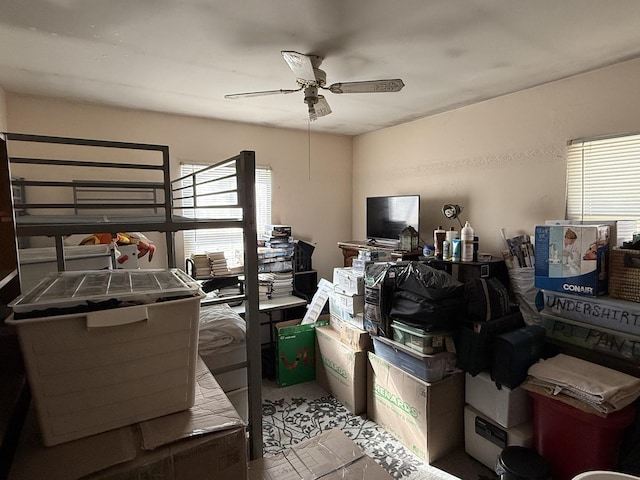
x: 572, y: 258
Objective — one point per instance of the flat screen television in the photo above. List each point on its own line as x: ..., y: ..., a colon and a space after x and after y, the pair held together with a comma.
x: 390, y: 215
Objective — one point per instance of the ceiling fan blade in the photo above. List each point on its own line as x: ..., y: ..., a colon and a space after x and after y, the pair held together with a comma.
x: 368, y: 86
x: 260, y: 94
x: 300, y: 65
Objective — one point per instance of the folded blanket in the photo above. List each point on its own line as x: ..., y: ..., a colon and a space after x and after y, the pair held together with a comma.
x: 603, y: 388
x: 220, y: 327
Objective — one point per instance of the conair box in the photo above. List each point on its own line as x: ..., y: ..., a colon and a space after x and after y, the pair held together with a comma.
x: 572, y: 258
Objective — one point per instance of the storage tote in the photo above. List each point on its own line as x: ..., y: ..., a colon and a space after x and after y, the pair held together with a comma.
x: 95, y: 370
x: 428, y: 368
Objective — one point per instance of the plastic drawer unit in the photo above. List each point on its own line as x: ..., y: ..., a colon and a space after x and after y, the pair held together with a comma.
x: 108, y: 348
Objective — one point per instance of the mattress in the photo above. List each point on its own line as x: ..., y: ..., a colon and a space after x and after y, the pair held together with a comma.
x: 35, y: 263
x: 229, y: 381
x: 221, y: 343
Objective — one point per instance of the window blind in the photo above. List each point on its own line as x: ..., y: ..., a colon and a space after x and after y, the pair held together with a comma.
x: 603, y: 178
x: 227, y: 240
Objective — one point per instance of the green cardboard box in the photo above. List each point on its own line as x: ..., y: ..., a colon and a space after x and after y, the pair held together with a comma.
x: 296, y: 351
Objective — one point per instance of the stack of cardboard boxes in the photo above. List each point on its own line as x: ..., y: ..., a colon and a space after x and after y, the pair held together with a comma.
x: 208, y: 437
x: 427, y: 418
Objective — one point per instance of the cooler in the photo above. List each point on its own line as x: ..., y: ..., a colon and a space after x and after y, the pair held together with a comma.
x: 108, y: 348
x: 574, y: 441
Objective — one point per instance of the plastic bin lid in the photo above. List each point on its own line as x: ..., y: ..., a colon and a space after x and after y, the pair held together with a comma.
x: 68, y: 289
x: 408, y: 350
x: 416, y: 331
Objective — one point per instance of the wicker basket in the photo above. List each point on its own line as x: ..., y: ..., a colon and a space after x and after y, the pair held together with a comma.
x: 624, y: 274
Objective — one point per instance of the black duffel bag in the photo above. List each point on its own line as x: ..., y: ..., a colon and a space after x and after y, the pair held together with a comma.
x: 431, y: 315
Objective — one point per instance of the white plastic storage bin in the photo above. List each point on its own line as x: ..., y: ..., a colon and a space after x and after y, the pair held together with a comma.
x: 484, y: 439
x: 505, y: 406
x: 92, y: 371
x: 418, y: 339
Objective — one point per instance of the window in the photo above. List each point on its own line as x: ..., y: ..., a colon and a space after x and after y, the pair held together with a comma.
x: 227, y: 240
x: 603, y: 178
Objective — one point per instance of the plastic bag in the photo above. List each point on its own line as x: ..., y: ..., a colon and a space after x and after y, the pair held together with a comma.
x: 428, y: 282
x: 525, y: 292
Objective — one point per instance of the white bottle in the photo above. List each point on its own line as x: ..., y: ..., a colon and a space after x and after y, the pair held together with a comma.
x: 466, y: 235
x: 446, y: 250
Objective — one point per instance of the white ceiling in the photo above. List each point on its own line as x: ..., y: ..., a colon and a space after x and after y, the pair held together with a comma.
x: 183, y: 56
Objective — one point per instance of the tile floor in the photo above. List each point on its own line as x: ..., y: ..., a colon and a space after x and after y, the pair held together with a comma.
x: 458, y: 463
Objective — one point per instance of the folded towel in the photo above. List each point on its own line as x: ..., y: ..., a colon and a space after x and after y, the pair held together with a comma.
x: 605, y: 389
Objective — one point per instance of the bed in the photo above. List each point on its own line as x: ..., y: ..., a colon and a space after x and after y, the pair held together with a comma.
x: 221, y: 345
x: 66, y: 187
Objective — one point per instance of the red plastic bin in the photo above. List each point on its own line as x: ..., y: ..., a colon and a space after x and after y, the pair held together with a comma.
x: 574, y: 441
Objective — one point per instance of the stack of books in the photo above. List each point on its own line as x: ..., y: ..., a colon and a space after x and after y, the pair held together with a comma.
x: 282, y: 285
x: 275, y: 259
x: 264, y: 286
x: 218, y: 264
x: 278, y: 284
x: 201, y: 266
x: 278, y: 236
x: 277, y: 253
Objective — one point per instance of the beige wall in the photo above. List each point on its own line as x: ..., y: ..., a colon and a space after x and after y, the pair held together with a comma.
x: 3, y: 111
x: 502, y: 159
x: 313, y: 196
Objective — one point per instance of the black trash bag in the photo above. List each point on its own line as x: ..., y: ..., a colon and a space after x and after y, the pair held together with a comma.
x: 428, y: 282
x: 430, y: 315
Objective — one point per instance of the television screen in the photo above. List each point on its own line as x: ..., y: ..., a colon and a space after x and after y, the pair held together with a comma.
x: 388, y: 216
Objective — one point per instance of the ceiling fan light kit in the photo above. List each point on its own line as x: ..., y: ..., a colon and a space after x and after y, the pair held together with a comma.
x: 310, y: 78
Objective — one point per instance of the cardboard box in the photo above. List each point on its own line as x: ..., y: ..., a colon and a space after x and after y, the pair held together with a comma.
x: 331, y: 455
x: 341, y: 370
x: 343, y: 315
x: 620, y: 231
x: 484, y: 440
x: 504, y: 406
x: 572, y: 258
x: 296, y: 351
x: 427, y: 418
x: 348, y: 281
x: 209, y: 437
x: 349, y: 303
x: 356, y: 338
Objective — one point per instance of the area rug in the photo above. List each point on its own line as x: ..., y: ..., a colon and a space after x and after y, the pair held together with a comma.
x: 294, y: 414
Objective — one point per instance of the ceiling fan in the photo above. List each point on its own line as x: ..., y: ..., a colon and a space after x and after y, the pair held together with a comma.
x: 310, y: 78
